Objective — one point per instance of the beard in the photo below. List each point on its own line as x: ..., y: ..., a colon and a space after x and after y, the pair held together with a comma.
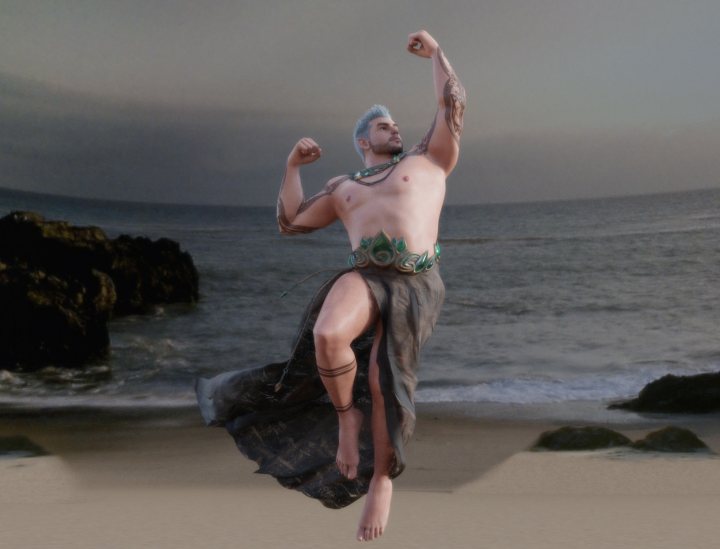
x: 390, y: 147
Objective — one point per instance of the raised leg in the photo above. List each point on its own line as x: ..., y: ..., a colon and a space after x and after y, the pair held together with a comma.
x: 348, y: 310
x: 377, y: 502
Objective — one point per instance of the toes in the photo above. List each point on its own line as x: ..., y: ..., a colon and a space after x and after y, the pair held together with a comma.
x: 346, y: 470
x: 367, y: 533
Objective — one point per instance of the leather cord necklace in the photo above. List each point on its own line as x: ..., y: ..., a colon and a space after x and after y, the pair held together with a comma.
x: 374, y: 170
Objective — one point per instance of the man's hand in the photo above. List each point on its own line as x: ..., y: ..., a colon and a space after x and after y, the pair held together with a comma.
x: 422, y: 44
x: 305, y: 151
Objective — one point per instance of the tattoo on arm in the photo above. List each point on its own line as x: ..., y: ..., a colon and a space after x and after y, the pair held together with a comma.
x: 286, y: 227
x: 454, y: 98
x: 329, y: 189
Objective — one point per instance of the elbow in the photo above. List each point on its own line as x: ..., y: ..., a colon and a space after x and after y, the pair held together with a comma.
x: 285, y: 232
x: 288, y: 229
x: 284, y: 227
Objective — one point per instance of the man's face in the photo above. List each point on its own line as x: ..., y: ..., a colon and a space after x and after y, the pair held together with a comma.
x: 384, y: 137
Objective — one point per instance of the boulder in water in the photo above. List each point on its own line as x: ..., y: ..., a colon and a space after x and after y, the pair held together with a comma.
x: 60, y: 284
x: 580, y: 438
x: 696, y: 394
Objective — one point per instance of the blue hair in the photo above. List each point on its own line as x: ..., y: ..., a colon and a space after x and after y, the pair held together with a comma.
x: 362, y: 127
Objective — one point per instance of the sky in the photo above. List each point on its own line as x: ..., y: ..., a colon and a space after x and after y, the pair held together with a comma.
x: 200, y: 102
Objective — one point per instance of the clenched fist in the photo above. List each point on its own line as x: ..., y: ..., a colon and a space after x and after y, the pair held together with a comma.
x: 422, y: 44
x: 305, y: 151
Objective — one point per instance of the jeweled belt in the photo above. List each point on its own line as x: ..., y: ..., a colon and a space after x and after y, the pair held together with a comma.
x: 383, y: 251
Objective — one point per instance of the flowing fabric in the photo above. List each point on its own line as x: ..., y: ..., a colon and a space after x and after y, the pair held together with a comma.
x: 281, y: 417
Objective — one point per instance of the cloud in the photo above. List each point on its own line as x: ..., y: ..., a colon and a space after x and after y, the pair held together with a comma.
x: 559, y: 165
x: 54, y: 141
x: 61, y: 142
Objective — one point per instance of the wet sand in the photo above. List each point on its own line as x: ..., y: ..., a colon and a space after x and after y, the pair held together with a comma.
x: 160, y: 478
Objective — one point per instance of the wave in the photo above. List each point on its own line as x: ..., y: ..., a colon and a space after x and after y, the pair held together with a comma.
x: 147, y: 400
x: 489, y: 239
x: 543, y: 390
x: 590, y: 237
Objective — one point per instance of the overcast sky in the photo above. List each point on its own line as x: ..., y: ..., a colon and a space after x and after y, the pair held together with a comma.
x: 200, y: 102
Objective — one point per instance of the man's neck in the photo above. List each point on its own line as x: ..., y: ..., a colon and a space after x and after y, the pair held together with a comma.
x: 372, y: 159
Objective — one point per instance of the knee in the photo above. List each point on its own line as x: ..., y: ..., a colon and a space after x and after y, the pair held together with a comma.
x: 328, y: 339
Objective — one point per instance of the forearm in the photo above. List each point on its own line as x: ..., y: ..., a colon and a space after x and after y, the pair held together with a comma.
x: 449, y: 92
x: 291, y: 192
x: 290, y: 200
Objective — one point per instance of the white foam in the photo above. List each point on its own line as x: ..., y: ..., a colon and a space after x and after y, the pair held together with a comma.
x: 536, y: 390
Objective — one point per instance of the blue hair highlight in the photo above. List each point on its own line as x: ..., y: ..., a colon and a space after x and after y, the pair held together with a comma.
x: 362, y: 127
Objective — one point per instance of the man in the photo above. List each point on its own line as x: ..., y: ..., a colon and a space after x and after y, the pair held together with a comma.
x: 364, y: 328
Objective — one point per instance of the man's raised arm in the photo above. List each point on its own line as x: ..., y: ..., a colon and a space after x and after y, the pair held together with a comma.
x: 295, y: 215
x: 442, y: 142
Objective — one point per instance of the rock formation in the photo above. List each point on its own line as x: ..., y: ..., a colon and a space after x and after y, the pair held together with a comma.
x: 677, y: 394
x: 60, y: 284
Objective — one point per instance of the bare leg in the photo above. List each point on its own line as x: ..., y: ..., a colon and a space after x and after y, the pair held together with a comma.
x: 377, y: 503
x: 349, y: 309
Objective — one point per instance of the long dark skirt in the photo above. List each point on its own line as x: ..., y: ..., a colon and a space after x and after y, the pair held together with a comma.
x: 290, y: 427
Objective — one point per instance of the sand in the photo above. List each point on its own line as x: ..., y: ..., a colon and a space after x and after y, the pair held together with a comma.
x: 160, y: 479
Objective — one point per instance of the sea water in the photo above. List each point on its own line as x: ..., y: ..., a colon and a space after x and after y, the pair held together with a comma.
x: 548, y: 304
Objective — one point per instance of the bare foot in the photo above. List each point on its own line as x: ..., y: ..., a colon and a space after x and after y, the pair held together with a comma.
x: 377, y: 509
x: 348, y: 454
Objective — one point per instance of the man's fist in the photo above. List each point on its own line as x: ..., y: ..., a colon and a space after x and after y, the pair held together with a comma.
x: 304, y: 152
x: 422, y: 44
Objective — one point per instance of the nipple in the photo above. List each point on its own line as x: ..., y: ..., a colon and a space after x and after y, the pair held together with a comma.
x: 406, y: 178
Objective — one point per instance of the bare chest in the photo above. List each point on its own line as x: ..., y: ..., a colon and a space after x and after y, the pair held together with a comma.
x: 409, y: 182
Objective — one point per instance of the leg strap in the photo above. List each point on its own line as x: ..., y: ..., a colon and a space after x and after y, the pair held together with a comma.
x: 335, y: 372
x: 346, y: 408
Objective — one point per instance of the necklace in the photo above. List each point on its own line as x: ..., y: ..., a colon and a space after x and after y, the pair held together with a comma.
x: 374, y: 170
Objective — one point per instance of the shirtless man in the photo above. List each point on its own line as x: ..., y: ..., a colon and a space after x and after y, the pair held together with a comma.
x: 403, y: 199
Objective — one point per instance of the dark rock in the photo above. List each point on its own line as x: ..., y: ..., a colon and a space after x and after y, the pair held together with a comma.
x: 671, y: 439
x: 147, y: 272
x: 580, y: 438
x: 677, y: 394
x: 144, y: 272
x: 59, y: 284
x: 20, y: 446
x: 45, y: 319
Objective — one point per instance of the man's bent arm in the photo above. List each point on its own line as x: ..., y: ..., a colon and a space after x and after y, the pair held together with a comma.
x: 442, y: 142
x: 295, y: 215
x: 309, y: 215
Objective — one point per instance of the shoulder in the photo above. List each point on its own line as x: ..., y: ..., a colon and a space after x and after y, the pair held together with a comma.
x: 335, y: 182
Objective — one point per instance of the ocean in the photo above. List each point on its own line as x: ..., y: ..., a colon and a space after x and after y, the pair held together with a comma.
x: 553, y: 309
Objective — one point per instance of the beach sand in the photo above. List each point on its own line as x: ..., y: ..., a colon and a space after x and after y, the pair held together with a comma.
x: 161, y: 479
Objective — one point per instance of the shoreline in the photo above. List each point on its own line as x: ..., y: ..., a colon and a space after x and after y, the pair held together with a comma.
x: 552, y: 414
x: 444, y: 433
